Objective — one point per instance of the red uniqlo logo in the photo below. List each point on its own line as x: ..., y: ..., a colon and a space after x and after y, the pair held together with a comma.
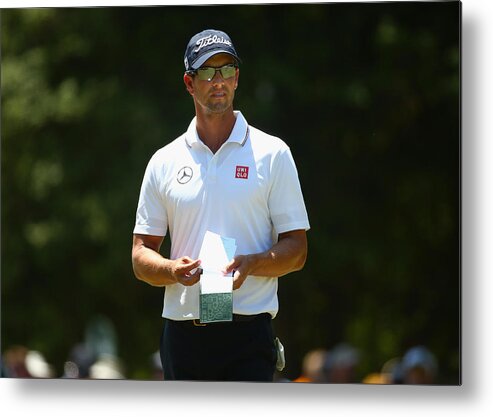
x: 241, y: 172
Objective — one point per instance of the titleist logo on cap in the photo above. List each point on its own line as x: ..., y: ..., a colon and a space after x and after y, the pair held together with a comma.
x: 209, y: 40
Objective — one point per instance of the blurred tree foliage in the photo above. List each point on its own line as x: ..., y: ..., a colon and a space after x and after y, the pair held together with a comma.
x: 367, y: 97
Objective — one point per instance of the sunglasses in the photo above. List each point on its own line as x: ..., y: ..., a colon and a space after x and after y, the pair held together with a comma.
x: 208, y: 73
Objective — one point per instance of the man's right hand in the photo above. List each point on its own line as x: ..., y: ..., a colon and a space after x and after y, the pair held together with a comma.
x: 149, y: 266
x: 182, y: 269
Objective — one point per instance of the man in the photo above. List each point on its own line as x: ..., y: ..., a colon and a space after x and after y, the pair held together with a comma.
x: 223, y: 176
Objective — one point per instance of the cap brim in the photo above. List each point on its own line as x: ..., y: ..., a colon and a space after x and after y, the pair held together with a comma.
x: 197, y: 64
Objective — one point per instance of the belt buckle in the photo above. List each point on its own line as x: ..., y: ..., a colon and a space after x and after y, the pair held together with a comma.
x: 197, y: 323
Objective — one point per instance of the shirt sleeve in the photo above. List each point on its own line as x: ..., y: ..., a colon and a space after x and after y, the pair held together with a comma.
x: 286, y: 204
x: 151, y: 218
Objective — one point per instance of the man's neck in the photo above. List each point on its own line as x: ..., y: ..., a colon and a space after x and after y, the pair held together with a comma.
x: 214, y: 128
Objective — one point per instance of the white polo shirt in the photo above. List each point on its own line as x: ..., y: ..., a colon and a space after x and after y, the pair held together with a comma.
x: 248, y: 190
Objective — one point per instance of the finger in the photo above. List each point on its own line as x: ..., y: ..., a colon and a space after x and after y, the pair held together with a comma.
x: 237, y: 280
x: 185, y: 260
x: 191, y: 280
x: 196, y: 274
x: 232, y: 265
x: 194, y: 264
x: 185, y: 269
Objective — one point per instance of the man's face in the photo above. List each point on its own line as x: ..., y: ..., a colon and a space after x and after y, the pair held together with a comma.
x: 215, y: 96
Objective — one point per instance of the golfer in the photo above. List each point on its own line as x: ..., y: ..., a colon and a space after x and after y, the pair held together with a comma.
x: 227, y: 177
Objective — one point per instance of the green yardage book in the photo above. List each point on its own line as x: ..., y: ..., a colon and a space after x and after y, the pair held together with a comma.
x: 216, y: 307
x: 216, y: 288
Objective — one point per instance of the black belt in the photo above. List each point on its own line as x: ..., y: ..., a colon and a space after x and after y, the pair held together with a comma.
x: 237, y: 318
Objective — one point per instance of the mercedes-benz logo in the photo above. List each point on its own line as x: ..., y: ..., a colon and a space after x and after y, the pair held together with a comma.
x: 184, y: 175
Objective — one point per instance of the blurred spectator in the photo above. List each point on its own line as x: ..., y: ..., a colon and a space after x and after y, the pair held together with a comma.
x: 100, y: 336
x: 20, y: 362
x: 79, y: 361
x: 95, y: 357
x: 14, y: 362
x: 375, y: 378
x: 419, y: 366
x: 341, y: 364
x: 106, y: 367
x: 312, y: 369
x: 391, y: 373
x: 37, y: 366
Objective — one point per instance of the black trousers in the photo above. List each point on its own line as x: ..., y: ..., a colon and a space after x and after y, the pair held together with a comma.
x: 226, y: 351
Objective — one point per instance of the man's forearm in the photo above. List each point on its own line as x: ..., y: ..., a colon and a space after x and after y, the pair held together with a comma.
x: 149, y: 266
x: 287, y: 255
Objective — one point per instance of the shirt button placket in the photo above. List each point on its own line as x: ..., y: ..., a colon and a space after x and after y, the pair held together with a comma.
x: 211, y: 171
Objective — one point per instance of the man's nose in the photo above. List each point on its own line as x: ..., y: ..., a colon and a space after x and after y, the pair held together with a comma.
x: 218, y: 77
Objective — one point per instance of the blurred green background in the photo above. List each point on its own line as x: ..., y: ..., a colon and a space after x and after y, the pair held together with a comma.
x: 366, y: 95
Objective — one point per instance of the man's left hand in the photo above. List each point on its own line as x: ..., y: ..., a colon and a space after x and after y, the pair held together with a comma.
x: 241, y: 265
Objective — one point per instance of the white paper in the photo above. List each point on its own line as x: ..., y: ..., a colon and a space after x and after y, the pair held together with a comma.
x: 211, y: 283
x: 216, y: 252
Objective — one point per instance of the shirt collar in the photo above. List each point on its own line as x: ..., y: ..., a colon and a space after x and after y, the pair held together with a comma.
x: 239, y: 134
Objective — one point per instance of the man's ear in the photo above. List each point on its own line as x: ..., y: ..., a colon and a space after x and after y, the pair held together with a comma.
x: 188, y: 80
x: 237, y: 76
